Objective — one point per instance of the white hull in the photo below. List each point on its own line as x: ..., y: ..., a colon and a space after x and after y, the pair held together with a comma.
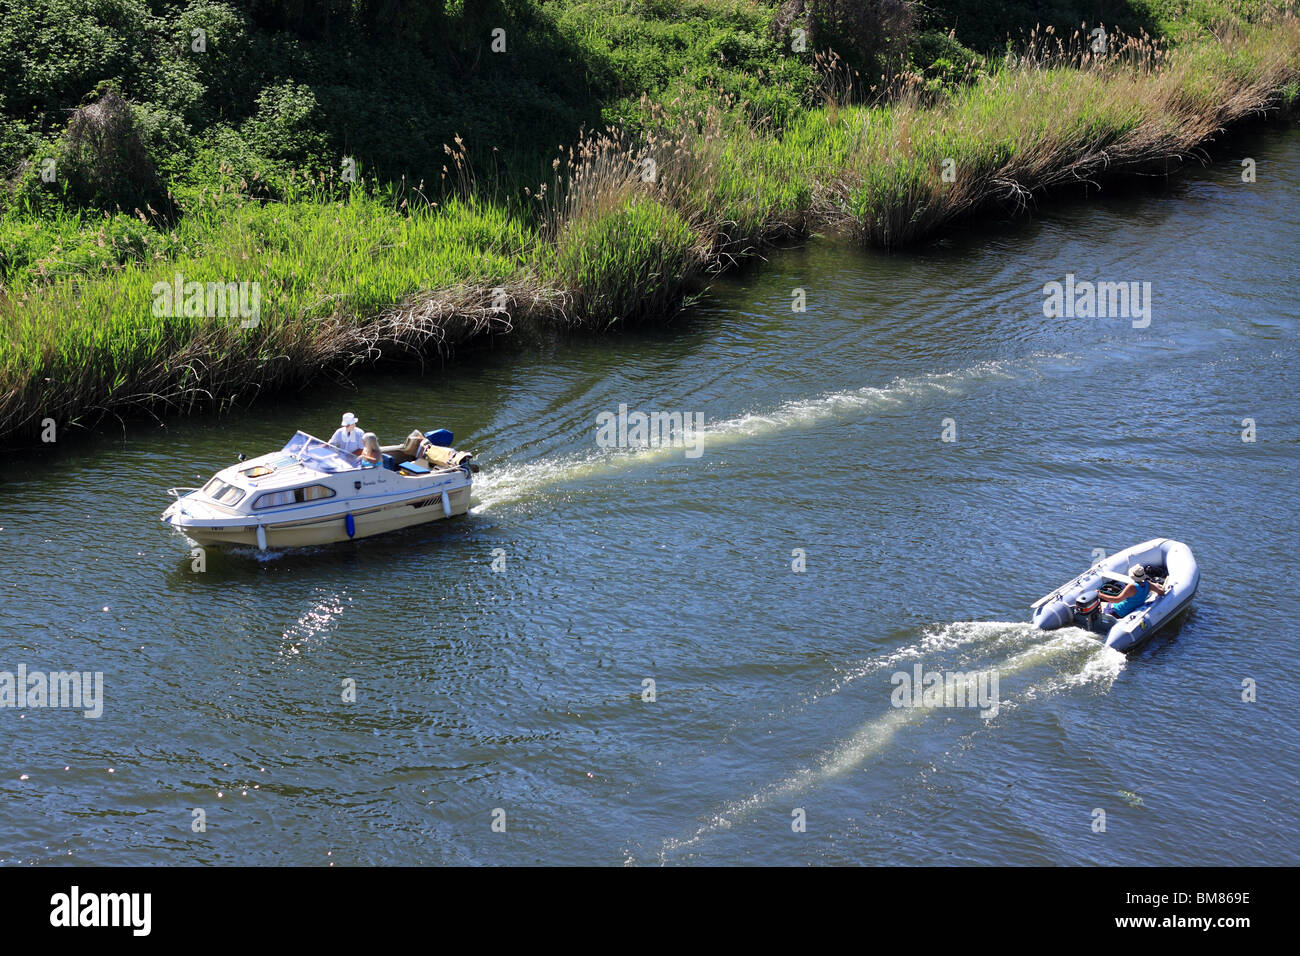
x: 332, y: 529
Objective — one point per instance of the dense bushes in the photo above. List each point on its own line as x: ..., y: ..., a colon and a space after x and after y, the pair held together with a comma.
x: 267, y: 85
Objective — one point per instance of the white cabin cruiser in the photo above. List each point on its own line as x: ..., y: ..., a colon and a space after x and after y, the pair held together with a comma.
x: 311, y: 493
x: 1090, y: 600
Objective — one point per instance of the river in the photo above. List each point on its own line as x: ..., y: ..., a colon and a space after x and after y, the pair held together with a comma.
x: 517, y: 695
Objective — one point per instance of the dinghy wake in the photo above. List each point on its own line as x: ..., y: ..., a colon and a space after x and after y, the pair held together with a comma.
x: 1026, y: 668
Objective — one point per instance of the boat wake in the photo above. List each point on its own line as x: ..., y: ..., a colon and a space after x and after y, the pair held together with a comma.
x: 1068, y: 659
x: 501, y: 485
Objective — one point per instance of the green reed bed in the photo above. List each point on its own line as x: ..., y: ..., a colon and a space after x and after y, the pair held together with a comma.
x: 1033, y: 126
x: 623, y: 260
x: 77, y: 346
x: 627, y: 226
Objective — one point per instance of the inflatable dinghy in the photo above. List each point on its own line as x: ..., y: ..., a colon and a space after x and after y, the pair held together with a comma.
x: 1082, y: 602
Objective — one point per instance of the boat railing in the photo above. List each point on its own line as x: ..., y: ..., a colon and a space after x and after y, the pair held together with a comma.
x: 1052, y: 595
x: 176, y: 492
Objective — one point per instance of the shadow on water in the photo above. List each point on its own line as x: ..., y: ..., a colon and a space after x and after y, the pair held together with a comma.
x: 1163, y: 641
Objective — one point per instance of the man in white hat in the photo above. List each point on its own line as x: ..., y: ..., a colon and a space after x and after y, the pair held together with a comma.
x: 349, y: 437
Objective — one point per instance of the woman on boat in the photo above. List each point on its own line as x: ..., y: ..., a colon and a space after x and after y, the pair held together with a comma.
x: 370, y: 453
x: 1134, y: 595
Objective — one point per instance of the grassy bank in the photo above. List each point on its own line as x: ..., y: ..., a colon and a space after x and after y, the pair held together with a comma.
x: 1037, y: 125
x: 626, y: 222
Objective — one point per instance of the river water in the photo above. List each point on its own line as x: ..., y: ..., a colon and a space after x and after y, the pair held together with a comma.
x: 519, y: 695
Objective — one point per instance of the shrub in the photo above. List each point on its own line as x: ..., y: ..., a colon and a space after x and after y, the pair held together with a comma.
x: 287, y: 125
x: 103, y: 161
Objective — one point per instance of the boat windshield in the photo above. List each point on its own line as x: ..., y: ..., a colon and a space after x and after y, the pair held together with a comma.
x: 320, y: 455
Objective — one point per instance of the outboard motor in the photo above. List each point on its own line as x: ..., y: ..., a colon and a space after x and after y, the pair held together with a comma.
x: 1087, y: 611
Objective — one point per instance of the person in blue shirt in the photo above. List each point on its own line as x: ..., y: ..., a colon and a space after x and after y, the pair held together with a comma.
x: 1134, y: 595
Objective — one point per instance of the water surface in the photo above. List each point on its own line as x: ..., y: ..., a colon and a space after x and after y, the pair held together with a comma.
x: 523, y: 690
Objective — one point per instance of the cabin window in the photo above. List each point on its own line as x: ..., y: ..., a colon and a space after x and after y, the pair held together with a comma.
x: 273, y: 499
x: 219, y: 491
x: 278, y: 499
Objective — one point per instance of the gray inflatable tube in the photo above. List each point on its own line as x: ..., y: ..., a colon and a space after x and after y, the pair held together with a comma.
x: 1182, y: 578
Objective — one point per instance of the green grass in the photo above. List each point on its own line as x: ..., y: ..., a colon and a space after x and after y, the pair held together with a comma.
x: 75, y: 345
x: 624, y: 261
x: 1027, y: 129
x: 348, y: 273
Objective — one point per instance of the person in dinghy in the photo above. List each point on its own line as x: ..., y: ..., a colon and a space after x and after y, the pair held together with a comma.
x: 1135, y: 594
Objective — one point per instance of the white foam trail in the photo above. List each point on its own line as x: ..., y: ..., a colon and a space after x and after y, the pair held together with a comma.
x: 937, y: 639
x: 1067, y: 639
x: 941, y: 638
x: 869, y: 739
x: 499, y: 485
x: 1102, y: 666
